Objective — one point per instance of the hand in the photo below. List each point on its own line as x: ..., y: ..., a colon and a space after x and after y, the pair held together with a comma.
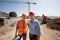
x: 15, y: 35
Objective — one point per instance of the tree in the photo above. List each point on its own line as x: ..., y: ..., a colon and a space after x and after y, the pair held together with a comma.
x: 12, y: 14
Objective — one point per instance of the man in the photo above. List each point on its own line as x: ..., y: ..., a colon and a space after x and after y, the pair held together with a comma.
x: 21, y: 29
x: 34, y: 27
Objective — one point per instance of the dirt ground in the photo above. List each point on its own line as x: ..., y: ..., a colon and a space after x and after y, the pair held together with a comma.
x: 5, y: 32
x: 46, y: 34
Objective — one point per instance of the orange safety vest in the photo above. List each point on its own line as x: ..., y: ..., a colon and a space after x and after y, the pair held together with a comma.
x: 22, y: 27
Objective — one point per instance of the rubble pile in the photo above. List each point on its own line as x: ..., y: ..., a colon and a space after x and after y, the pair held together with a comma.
x: 54, y: 24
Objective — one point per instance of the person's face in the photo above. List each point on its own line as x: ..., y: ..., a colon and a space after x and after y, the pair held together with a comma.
x: 24, y: 17
x: 31, y: 17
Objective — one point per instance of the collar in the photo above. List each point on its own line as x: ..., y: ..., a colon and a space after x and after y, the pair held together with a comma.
x: 32, y: 20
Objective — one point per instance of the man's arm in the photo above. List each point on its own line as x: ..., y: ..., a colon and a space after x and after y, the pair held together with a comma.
x: 38, y: 24
x: 16, y: 29
x: 16, y: 33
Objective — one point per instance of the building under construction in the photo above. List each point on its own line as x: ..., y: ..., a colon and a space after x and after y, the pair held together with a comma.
x: 3, y: 18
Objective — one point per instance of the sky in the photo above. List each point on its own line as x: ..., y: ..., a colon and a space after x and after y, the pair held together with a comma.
x: 47, y: 7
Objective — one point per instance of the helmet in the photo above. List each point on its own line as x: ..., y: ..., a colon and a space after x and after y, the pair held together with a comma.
x: 31, y: 13
x: 23, y: 14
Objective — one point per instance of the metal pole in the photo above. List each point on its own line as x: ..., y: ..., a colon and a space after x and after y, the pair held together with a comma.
x: 28, y: 7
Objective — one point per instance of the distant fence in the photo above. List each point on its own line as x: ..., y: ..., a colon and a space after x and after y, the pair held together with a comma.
x: 12, y: 21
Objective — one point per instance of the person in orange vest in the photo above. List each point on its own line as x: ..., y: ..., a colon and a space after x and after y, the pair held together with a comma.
x: 21, y: 29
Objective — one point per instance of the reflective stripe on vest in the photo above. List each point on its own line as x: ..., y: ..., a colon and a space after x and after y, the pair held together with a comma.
x: 22, y: 27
